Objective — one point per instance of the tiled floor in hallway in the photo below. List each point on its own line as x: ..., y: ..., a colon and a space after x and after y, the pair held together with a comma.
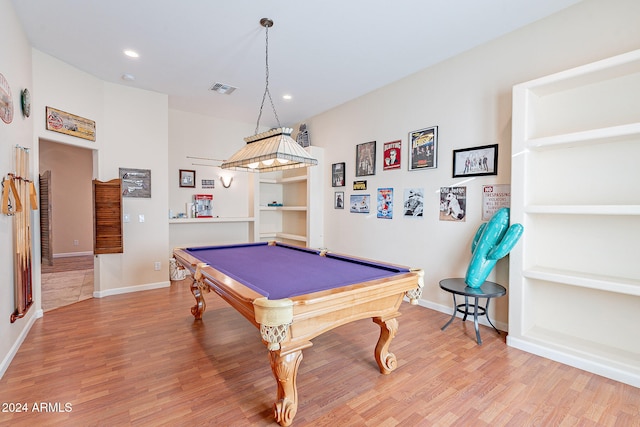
x: 66, y: 287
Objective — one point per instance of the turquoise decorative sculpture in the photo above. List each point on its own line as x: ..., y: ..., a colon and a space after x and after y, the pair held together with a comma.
x: 493, y: 240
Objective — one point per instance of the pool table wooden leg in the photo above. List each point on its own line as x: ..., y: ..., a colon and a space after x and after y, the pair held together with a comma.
x: 388, y: 328
x: 285, y: 369
x: 197, y: 288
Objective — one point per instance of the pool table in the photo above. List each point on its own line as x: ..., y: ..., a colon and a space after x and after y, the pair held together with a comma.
x: 293, y: 294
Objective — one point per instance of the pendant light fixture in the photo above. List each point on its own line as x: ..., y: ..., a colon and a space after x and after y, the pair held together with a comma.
x: 274, y: 149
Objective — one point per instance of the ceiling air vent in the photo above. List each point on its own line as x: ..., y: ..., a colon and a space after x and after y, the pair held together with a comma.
x: 222, y: 88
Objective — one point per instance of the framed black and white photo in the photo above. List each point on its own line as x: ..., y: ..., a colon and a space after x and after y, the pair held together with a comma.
x: 187, y: 178
x: 423, y: 149
x: 338, y: 200
x: 475, y: 161
x: 337, y: 175
x: 366, y: 159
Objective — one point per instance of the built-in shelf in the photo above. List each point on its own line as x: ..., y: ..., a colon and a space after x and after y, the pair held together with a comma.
x: 283, y: 208
x: 584, y: 209
x: 206, y: 220
x: 603, y: 135
x: 299, y: 191
x: 574, y: 288
x: 574, y: 278
x: 283, y: 236
x: 284, y: 180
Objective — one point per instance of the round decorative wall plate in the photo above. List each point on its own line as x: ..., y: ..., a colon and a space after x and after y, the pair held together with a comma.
x: 6, y: 101
x: 26, y: 102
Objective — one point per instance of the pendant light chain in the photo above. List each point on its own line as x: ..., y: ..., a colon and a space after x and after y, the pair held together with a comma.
x: 266, y: 87
x: 274, y: 149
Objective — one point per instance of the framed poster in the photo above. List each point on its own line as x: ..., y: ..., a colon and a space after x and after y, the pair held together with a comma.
x: 136, y: 182
x: 187, y: 178
x: 366, y: 159
x: 391, y: 154
x: 476, y: 161
x: 337, y: 175
x: 423, y: 148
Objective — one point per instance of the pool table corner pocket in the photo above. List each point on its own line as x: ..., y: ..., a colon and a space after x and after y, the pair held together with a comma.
x: 274, y: 318
x: 414, y: 294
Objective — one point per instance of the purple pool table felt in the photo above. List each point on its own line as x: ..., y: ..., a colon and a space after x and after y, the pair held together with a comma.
x: 284, y: 271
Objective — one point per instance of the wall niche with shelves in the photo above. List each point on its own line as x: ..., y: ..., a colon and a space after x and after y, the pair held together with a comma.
x: 575, y: 278
x: 284, y: 207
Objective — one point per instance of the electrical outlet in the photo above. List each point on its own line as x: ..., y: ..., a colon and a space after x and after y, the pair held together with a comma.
x: 76, y: 243
x: 141, y: 218
x: 157, y: 265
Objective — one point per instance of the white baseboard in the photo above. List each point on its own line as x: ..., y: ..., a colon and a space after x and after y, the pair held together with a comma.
x: 605, y: 368
x: 448, y: 309
x: 70, y: 254
x: 128, y: 289
x: 16, y: 345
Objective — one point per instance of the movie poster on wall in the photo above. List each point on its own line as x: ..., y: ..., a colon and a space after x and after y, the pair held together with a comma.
x: 385, y: 203
x: 391, y: 154
x: 413, y: 205
x: 453, y: 204
x: 494, y: 197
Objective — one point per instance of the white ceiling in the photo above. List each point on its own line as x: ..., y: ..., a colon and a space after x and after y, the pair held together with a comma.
x: 321, y: 52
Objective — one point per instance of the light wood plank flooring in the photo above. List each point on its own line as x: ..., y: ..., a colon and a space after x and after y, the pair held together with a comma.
x: 141, y: 359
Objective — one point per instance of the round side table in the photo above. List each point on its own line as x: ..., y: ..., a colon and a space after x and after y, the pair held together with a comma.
x: 488, y: 290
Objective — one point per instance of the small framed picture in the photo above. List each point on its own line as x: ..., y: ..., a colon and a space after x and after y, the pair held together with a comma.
x: 136, y: 182
x: 423, y: 149
x: 187, y: 178
x: 366, y: 159
x: 475, y: 161
x: 359, y: 203
x: 337, y: 175
x: 338, y: 200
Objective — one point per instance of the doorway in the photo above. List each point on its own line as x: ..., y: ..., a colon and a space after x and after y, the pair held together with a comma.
x: 66, y: 226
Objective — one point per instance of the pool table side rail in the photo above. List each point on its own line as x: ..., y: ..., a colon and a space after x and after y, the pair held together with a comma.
x: 234, y: 293
x: 319, y: 312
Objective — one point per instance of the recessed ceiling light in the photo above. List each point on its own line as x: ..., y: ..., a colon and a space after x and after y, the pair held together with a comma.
x: 131, y: 53
x: 287, y: 97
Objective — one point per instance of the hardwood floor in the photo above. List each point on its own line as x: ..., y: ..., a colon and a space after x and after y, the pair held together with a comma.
x: 141, y: 359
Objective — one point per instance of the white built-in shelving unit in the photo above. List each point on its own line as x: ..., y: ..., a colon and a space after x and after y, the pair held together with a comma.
x: 299, y: 220
x: 575, y: 275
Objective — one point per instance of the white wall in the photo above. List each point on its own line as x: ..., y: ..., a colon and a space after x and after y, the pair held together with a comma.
x: 131, y: 131
x: 195, y: 135
x: 15, y: 66
x: 469, y: 98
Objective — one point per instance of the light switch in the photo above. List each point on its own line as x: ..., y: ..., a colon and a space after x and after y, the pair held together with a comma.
x: 141, y: 218
x: 125, y: 218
